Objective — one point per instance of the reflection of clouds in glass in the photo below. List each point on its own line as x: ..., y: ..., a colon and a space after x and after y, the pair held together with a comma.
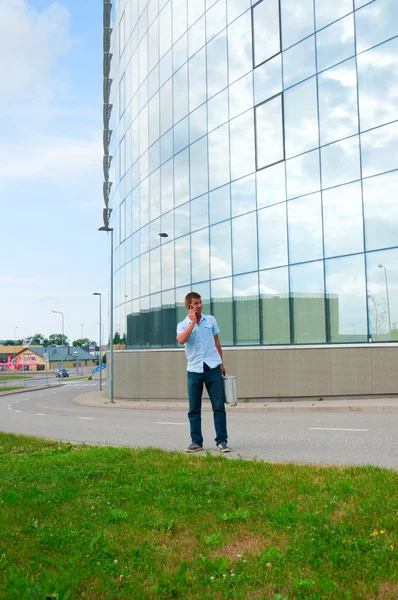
x: 200, y: 250
x: 220, y: 204
x: 218, y: 110
x: 216, y: 19
x: 196, y: 36
x: 144, y: 274
x: 302, y: 174
x: 197, y: 79
x: 218, y: 157
x: 269, y: 132
x: 305, y: 228
x: 376, y: 22
x: 167, y: 190
x: 345, y: 278
x: 241, y: 95
x: 299, y: 62
x: 183, y: 261
x: 380, y: 150
x: 271, y: 185
x: 242, y: 145
x: 342, y: 220
x: 240, y: 47
x: 181, y: 177
x: 180, y: 87
x: 244, y: 243
x: 243, y: 195
x: 154, y: 261
x: 378, y: 87
x: 338, y: 109
x: 301, y: 118
x: 198, y: 123
x: 168, y: 266
x: 340, y: 162
x: 268, y: 79
x: 195, y: 10
x: 381, y: 211
x: 235, y: 8
x: 199, y: 212
x: 272, y: 236
x: 199, y: 168
x: 297, y: 20
x: 222, y: 288
x: 266, y: 30
x: 335, y: 43
x: 246, y: 285
x: 326, y: 11
x: 217, y: 73
x: 220, y: 250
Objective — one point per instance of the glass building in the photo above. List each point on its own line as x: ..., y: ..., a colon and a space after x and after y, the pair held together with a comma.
x: 262, y: 138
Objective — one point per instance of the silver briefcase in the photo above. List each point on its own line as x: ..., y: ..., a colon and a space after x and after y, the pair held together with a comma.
x: 230, y: 389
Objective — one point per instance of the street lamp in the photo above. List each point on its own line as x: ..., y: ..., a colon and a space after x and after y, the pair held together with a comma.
x: 110, y: 230
x: 388, y: 297
x: 81, y: 325
x: 100, y: 322
x: 58, y: 312
x: 164, y: 235
x: 15, y: 328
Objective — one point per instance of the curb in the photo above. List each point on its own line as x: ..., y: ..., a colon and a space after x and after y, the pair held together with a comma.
x: 82, y: 400
x: 29, y: 389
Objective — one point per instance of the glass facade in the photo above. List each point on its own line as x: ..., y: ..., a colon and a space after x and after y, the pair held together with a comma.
x: 262, y: 138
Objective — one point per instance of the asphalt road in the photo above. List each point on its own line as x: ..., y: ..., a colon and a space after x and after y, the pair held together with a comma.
x: 335, y: 437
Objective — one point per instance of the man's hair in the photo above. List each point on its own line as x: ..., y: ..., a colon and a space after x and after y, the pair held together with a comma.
x: 189, y: 297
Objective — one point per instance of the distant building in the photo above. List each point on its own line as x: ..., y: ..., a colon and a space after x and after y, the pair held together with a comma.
x: 40, y: 358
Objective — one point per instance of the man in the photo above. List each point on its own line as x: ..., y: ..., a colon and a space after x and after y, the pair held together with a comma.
x: 199, y: 334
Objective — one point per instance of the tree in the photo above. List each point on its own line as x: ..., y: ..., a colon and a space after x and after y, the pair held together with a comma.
x: 58, y: 339
x: 9, y: 343
x: 38, y: 338
x: 83, y: 342
x: 116, y: 338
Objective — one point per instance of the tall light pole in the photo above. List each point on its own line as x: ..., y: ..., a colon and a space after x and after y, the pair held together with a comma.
x: 81, y: 325
x: 110, y: 230
x: 62, y: 346
x: 388, y: 297
x: 15, y: 328
x: 100, y: 323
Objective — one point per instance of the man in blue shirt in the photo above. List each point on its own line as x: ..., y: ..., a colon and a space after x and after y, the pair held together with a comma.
x: 199, y: 334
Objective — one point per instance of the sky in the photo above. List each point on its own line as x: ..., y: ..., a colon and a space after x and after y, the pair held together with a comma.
x: 53, y: 257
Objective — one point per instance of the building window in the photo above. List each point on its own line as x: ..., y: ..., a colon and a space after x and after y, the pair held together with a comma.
x: 266, y: 31
x: 270, y: 147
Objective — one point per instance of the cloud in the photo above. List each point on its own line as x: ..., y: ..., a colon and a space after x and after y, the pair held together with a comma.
x: 51, y: 157
x: 17, y: 280
x: 34, y: 41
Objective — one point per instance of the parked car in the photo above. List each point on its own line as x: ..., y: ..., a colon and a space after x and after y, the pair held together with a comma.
x: 62, y: 373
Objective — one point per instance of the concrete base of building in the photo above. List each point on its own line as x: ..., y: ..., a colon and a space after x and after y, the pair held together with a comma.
x: 265, y: 372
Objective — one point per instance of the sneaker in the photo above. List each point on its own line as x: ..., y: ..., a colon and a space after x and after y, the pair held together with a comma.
x: 223, y: 447
x: 194, y: 448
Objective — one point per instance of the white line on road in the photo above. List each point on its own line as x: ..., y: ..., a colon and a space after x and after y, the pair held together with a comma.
x: 335, y: 429
x: 18, y: 411
x: 87, y: 418
x: 167, y: 423
x: 40, y: 415
x: 53, y: 393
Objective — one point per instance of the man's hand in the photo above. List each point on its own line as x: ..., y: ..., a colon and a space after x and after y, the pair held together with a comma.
x: 192, y: 314
x: 223, y: 370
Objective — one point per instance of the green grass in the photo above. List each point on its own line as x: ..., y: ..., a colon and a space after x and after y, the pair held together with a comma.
x: 118, y: 523
x: 9, y: 388
x: 8, y: 377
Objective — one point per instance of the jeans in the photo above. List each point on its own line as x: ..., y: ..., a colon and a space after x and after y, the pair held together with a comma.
x: 213, y: 380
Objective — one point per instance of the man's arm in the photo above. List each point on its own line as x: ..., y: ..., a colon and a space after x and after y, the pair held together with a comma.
x: 219, y: 350
x: 182, y: 337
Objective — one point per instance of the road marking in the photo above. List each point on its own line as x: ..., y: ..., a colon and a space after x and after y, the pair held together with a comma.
x: 53, y: 393
x: 335, y: 429
x: 167, y: 423
x: 87, y: 418
x: 18, y: 411
x: 40, y: 415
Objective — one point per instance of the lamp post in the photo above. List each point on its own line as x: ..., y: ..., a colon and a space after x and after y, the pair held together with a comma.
x: 62, y: 346
x: 110, y: 230
x: 81, y: 325
x: 388, y: 297
x: 100, y: 323
x: 15, y: 328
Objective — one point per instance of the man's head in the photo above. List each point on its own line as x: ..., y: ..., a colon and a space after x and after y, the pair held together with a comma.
x: 195, y: 300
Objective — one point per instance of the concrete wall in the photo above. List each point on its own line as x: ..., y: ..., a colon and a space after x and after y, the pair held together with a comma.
x: 266, y: 372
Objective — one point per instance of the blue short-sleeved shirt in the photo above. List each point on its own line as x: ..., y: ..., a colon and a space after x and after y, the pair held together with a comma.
x: 200, y: 346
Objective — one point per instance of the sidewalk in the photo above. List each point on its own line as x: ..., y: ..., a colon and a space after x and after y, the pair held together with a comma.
x: 371, y: 404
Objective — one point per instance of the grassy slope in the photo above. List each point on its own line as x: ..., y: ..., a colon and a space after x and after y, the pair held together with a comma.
x: 89, y: 522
